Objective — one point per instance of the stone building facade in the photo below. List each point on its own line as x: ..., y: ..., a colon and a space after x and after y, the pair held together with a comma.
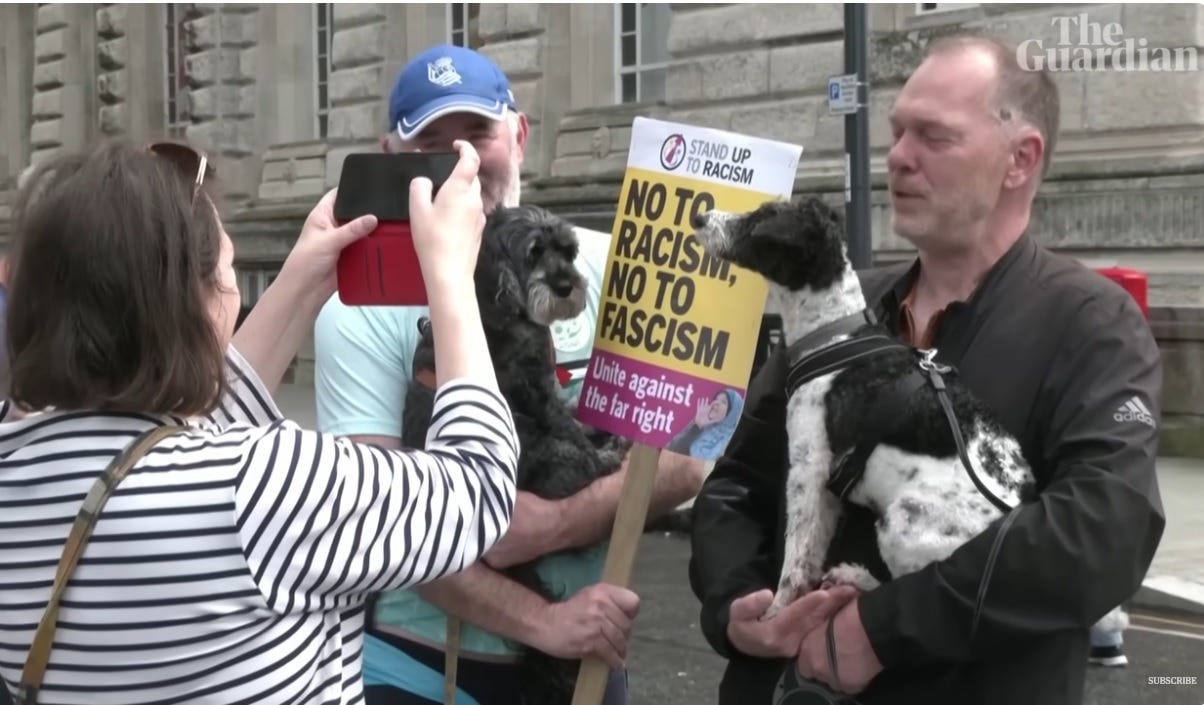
x: 281, y: 93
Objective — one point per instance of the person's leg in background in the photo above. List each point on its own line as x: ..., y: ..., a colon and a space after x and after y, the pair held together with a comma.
x: 1107, y: 640
x: 616, y: 688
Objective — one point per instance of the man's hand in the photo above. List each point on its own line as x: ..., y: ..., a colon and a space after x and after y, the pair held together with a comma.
x: 595, y: 621
x: 535, y: 527
x: 856, y: 661
x: 780, y: 636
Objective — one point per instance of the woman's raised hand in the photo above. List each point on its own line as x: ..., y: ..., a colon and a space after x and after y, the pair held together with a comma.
x: 447, y: 229
x: 315, y: 257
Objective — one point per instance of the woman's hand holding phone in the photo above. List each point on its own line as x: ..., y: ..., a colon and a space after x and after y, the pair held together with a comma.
x: 447, y: 229
x: 447, y: 239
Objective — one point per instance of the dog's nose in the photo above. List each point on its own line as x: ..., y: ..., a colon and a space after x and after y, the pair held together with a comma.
x: 699, y: 221
x: 562, y: 287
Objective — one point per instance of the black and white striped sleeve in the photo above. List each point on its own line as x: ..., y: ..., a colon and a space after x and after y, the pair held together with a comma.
x: 247, y: 400
x: 324, y: 521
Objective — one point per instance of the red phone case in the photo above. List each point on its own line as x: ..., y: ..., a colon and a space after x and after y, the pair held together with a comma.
x: 381, y: 269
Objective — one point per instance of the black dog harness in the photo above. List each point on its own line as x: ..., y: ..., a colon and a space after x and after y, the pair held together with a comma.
x: 813, y: 356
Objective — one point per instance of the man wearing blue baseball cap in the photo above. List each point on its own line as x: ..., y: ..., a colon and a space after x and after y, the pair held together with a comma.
x: 363, y: 364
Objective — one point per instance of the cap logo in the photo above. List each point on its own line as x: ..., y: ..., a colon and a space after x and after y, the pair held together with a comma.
x: 442, y: 73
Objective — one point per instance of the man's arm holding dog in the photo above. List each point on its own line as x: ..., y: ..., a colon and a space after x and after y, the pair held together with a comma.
x: 1082, y: 548
x: 732, y: 566
x: 544, y: 526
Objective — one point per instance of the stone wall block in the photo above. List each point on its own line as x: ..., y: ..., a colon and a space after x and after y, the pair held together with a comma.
x: 523, y: 17
x: 229, y: 137
x: 245, y: 72
x: 50, y: 45
x: 46, y: 133
x: 110, y: 21
x: 358, y: 46
x: 112, y: 54
x: 735, y: 75
x: 804, y: 67
x: 1172, y: 26
x: 227, y: 101
x: 716, y: 118
x: 355, y: 14
x: 111, y: 87
x: 357, y: 122
x: 51, y: 15
x: 113, y: 118
x: 221, y: 29
x: 48, y: 104
x: 491, y: 22
x: 1117, y: 100
x: 48, y: 75
x: 526, y: 95
x: 742, y: 24
x: 792, y: 121
x: 683, y: 82
x: 357, y: 84
x: 521, y: 58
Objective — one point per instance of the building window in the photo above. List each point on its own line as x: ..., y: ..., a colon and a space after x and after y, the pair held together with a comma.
x: 177, y: 116
x: 323, y: 34
x: 641, y: 51
x: 462, y: 25
x: 252, y: 283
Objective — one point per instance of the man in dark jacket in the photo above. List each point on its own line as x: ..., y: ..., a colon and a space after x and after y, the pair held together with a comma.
x: 1060, y: 353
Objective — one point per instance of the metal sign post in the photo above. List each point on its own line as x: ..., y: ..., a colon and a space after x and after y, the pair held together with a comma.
x: 848, y: 95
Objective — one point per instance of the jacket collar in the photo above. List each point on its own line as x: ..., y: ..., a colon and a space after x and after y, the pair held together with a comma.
x: 1004, y: 270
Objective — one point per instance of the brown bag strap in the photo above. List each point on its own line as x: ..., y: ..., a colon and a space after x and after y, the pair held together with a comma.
x: 81, y: 531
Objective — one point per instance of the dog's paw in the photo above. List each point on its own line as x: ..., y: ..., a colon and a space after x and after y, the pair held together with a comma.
x: 793, y: 585
x: 849, y: 574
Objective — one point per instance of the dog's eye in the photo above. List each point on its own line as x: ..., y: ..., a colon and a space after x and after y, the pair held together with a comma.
x: 536, y: 251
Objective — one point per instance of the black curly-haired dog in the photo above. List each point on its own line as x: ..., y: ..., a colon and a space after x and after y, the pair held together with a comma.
x: 872, y: 429
x: 526, y: 280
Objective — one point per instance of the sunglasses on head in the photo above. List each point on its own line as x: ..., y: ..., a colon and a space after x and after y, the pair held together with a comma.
x: 189, y: 160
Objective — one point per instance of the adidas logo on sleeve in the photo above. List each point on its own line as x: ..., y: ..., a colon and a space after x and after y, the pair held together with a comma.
x: 1134, y: 410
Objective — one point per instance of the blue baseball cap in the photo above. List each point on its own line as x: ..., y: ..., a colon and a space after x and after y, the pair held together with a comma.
x: 443, y: 80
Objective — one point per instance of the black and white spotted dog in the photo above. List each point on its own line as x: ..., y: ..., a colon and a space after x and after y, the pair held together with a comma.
x: 903, y: 465
x: 526, y: 280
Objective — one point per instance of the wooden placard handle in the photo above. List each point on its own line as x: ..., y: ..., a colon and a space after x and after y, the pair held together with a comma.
x: 629, y: 524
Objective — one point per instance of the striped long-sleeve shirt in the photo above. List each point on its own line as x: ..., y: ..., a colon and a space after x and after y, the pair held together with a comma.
x: 233, y: 564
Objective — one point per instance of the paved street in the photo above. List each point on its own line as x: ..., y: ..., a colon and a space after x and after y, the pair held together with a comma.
x: 671, y: 664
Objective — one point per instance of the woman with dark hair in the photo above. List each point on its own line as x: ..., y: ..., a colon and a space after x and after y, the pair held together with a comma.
x: 165, y: 535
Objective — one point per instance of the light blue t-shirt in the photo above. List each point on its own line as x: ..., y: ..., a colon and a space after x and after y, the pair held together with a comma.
x: 363, y: 357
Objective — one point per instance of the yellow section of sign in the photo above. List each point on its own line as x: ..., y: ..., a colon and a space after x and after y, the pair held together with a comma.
x: 664, y: 301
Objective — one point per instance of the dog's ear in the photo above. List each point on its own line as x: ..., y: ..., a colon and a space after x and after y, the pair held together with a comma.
x: 510, y: 297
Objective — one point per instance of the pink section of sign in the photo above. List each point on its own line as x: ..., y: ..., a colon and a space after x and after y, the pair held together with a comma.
x: 658, y: 407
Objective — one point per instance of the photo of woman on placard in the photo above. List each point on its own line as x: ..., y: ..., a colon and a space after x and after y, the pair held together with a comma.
x: 708, y: 432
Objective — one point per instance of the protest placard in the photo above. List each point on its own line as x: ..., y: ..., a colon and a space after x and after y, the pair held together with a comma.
x: 677, y: 329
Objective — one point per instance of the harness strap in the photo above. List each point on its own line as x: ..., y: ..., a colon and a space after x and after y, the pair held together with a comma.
x: 836, y: 357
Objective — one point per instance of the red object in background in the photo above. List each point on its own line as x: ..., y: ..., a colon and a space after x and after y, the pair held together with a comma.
x: 1132, y: 281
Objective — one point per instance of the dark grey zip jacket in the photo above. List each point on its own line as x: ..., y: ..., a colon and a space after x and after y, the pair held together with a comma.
x: 1067, y: 361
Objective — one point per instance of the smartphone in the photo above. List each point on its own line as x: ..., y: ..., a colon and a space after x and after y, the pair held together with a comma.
x: 381, y: 268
